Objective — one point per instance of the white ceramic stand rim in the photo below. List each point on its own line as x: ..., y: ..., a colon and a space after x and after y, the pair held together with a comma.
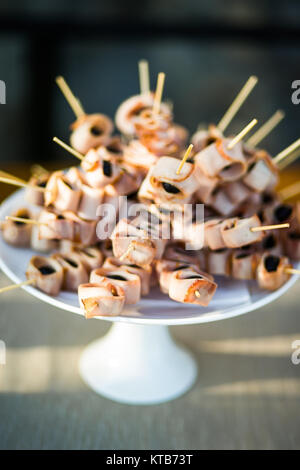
x: 138, y: 365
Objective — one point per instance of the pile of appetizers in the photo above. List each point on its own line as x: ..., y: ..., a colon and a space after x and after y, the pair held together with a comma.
x: 247, y: 229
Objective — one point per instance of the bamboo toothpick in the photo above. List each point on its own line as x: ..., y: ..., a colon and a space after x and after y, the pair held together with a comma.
x: 68, y: 148
x: 144, y: 77
x: 22, y: 184
x: 16, y: 286
x: 184, y: 159
x: 289, y: 160
x: 282, y: 155
x: 237, y: 103
x: 241, y: 134
x: 159, y: 91
x: 129, y: 250
x: 290, y: 191
x: 269, y: 227
x: 24, y: 221
x: 70, y: 97
x: 292, y: 271
x: 10, y: 177
x: 266, y: 128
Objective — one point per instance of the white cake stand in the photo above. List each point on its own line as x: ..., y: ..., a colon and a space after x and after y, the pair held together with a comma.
x: 137, y: 361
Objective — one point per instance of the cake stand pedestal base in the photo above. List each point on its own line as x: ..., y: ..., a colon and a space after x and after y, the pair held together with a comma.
x: 138, y: 365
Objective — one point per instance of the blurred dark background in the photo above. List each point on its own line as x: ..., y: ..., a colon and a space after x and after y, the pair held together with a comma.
x: 207, y: 48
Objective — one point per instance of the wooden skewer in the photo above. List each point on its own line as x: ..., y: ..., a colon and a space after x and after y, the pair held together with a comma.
x: 237, y: 103
x: 129, y: 249
x: 21, y: 184
x: 71, y: 99
x: 184, y: 159
x: 16, y: 286
x: 159, y: 91
x: 289, y: 160
x: 11, y: 177
x: 68, y: 148
x: 241, y: 134
x: 287, y: 151
x: 269, y: 227
x: 266, y: 128
x: 24, y: 221
x: 292, y: 271
x: 144, y: 77
x: 290, y: 191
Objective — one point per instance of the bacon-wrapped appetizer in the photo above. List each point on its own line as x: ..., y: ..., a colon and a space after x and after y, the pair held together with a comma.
x: 74, y: 271
x: 205, y: 137
x: 101, y: 299
x: 47, y: 274
x: 237, y: 232
x: 130, y: 283
x: 144, y: 272
x: 262, y: 173
x: 130, y: 109
x: 90, y: 131
x: 190, y: 286
x: 17, y: 233
x: 217, y: 160
x: 163, y: 184
x: 61, y: 193
x: 271, y: 271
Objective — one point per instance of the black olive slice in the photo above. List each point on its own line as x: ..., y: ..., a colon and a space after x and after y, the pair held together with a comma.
x: 117, y: 277
x: 283, y: 212
x: 107, y: 168
x: 271, y: 263
x: 267, y: 198
x: 96, y: 131
x: 294, y: 236
x: 194, y: 277
x: 169, y: 188
x: 71, y: 262
x: 46, y: 270
x: 183, y: 266
x: 42, y: 184
x: 134, y: 266
x: 269, y: 242
x: 24, y: 216
x: 113, y: 149
x: 60, y: 217
x: 242, y: 255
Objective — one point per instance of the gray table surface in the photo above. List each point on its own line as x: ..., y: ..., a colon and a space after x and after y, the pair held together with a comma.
x: 247, y: 395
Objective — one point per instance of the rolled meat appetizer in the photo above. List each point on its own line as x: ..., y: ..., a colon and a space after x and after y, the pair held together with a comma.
x: 206, y: 187
x: 165, y: 269
x: 291, y: 243
x: 271, y: 272
x: 144, y: 272
x: 219, y: 262
x: 132, y: 244
x: 99, y: 300
x: 62, y: 194
x: 272, y: 244
x: 43, y: 245
x: 237, y: 232
x: 100, y: 168
x: 130, y: 109
x: 244, y: 264
x: 138, y: 156
x: 34, y: 196
x: 176, y: 251
x: 90, y: 200
x: 221, y: 202
x: 217, y: 160
x: 190, y: 286
x: 84, y: 230
x: 47, y: 274
x: 54, y: 226
x: 205, y: 137
x: 74, y: 271
x: 91, y: 257
x: 162, y: 184
x: 17, y: 233
x: 130, y: 283
x: 262, y: 173
x: 90, y: 131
